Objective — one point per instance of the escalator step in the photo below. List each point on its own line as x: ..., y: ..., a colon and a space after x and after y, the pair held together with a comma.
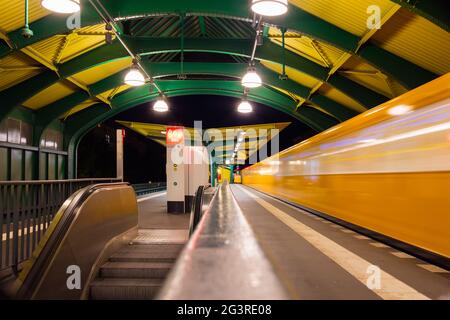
x: 147, y: 253
x: 143, y: 270
x: 125, y: 289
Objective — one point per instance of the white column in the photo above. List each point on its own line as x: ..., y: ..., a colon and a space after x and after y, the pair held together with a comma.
x: 120, y: 135
x: 175, y: 170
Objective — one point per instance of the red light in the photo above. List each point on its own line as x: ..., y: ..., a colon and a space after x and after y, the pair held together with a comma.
x: 174, y: 135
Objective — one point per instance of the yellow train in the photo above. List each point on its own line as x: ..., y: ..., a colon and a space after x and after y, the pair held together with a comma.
x: 387, y: 170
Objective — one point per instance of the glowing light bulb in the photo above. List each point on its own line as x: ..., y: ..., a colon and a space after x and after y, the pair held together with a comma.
x: 251, y: 79
x: 135, y: 78
x: 270, y: 8
x: 161, y: 106
x: 62, y: 6
x: 245, y: 107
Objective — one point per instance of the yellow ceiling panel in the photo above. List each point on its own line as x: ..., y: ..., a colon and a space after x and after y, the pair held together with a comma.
x: 314, y: 50
x: 293, y: 74
x: 53, y: 93
x: 417, y: 40
x: 12, y: 15
x: 62, y: 48
x: 81, y: 41
x: 48, y: 48
x: 368, y: 76
x: 350, y: 15
x: 81, y: 106
x: 113, y: 92
x: 102, y: 71
x: 341, y: 98
x: 16, y: 68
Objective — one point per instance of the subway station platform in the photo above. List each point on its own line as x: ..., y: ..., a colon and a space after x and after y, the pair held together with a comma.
x: 316, y: 258
x: 224, y: 150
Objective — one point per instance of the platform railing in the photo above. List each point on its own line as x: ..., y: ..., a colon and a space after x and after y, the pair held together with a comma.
x: 146, y: 188
x: 26, y: 211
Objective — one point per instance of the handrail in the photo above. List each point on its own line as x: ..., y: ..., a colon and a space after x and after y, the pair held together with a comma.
x: 25, y: 182
x: 73, y: 222
x: 199, y: 208
x: 26, y: 211
x: 146, y: 188
x: 196, y: 210
x: 220, y: 257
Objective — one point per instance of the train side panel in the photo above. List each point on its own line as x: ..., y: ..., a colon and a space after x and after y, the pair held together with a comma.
x: 387, y: 170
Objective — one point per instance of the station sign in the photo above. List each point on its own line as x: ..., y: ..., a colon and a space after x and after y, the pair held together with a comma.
x: 174, y: 136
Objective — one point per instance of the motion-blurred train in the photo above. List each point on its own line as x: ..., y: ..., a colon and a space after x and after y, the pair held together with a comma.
x: 386, y: 170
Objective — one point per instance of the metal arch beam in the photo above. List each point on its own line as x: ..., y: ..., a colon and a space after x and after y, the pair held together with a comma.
x: 435, y: 11
x: 46, y: 115
x: 80, y: 123
x: 90, y: 117
x: 274, y: 99
x: 296, y: 19
x: 18, y: 94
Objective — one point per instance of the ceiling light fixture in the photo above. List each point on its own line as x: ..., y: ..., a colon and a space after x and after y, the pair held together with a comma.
x: 245, y: 107
x: 270, y: 8
x: 134, y: 77
x: 161, y: 105
x: 251, y: 79
x: 62, y: 6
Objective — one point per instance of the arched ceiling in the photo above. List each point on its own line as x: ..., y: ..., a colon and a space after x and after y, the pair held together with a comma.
x: 337, y: 67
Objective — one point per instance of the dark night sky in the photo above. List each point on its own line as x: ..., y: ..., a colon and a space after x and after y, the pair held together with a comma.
x: 144, y: 160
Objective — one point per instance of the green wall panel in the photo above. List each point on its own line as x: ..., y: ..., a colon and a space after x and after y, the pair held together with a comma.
x: 42, y: 166
x: 29, y: 165
x: 61, y: 167
x: 51, y: 166
x: 3, y: 164
x: 16, y: 164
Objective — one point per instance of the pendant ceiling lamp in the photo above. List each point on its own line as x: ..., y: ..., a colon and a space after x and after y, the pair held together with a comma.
x: 134, y: 77
x: 251, y: 79
x: 62, y: 6
x: 161, y: 105
x: 245, y: 107
x: 270, y: 8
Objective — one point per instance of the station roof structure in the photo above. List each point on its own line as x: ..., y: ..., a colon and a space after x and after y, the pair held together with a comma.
x: 336, y: 66
x: 250, y: 138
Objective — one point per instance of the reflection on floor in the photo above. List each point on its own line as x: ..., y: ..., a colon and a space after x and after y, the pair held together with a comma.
x: 153, y: 214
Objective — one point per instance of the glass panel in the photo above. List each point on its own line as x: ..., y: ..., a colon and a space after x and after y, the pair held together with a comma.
x: 52, y: 140
x: 26, y: 134
x: 13, y: 131
x: 3, y: 131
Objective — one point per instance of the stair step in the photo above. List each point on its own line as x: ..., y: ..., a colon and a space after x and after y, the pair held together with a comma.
x: 142, y: 257
x: 125, y: 289
x: 128, y: 270
x: 148, y: 253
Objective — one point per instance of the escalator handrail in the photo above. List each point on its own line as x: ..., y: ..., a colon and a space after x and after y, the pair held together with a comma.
x: 196, y: 209
x: 51, y: 242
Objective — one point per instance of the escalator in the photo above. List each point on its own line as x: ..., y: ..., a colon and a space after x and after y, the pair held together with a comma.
x: 135, y: 272
x: 93, y: 249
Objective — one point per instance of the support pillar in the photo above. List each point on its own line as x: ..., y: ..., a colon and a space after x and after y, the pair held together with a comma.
x: 120, y: 136
x: 175, y: 170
